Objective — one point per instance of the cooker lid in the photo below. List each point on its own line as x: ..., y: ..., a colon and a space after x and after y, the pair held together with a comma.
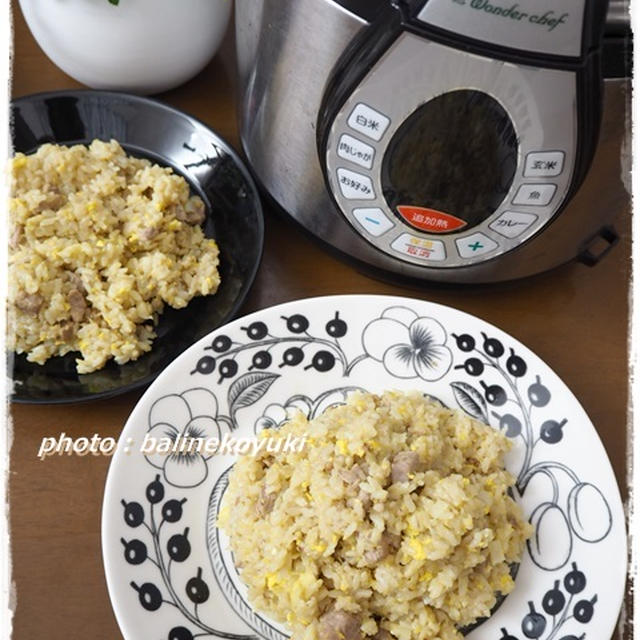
x: 618, y: 20
x: 366, y: 9
x: 617, y: 45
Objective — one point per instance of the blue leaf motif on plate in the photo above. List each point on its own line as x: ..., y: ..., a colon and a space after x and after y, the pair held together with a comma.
x: 249, y: 388
x: 470, y: 400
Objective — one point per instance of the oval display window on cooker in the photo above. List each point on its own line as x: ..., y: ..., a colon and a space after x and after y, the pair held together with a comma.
x: 453, y: 131
x: 475, y: 135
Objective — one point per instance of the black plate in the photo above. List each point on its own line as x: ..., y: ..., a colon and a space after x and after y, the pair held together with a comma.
x: 150, y: 129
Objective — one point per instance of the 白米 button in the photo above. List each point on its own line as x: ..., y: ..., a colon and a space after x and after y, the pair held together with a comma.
x: 368, y: 121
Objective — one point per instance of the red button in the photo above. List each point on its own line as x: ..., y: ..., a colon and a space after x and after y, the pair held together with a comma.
x: 430, y: 219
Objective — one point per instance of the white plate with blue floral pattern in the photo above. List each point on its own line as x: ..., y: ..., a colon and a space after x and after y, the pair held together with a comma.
x: 169, y: 570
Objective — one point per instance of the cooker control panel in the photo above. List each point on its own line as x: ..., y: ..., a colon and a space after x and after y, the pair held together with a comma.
x: 444, y: 158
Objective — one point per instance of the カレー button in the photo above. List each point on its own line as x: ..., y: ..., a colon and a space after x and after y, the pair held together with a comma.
x: 373, y: 220
x: 511, y: 224
x: 368, y: 121
x: 356, y: 151
x: 535, y: 195
x: 421, y: 248
x: 544, y: 164
x: 355, y: 186
x: 476, y: 244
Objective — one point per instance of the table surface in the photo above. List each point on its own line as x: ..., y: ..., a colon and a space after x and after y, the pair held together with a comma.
x: 55, y: 504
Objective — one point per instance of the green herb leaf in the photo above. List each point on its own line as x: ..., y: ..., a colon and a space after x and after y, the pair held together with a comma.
x: 114, y: 1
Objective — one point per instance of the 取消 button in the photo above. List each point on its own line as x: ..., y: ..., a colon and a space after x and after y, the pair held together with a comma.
x: 368, y: 121
x: 373, y: 220
x: 544, y: 164
x: 420, y: 248
x: 476, y: 244
x: 355, y: 186
x: 356, y: 151
x: 511, y: 224
x: 535, y: 195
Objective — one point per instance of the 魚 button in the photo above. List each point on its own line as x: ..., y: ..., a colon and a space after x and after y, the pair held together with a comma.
x: 535, y: 195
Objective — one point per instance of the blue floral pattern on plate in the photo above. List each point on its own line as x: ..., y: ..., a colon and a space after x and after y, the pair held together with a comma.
x: 170, y: 569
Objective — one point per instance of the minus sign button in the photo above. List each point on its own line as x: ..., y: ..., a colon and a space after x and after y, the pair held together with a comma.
x: 373, y: 220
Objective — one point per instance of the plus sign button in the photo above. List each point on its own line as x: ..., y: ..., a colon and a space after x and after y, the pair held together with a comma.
x: 476, y: 244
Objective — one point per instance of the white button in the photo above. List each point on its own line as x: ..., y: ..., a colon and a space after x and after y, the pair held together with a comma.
x: 351, y: 148
x: 476, y: 244
x: 513, y: 223
x: 544, y: 164
x: 355, y: 186
x: 373, y: 220
x: 427, y: 250
x: 535, y: 195
x: 368, y: 121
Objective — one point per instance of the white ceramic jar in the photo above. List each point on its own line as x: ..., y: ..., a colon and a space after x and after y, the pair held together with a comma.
x: 140, y: 46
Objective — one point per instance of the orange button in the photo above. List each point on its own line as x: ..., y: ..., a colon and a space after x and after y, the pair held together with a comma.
x: 430, y: 219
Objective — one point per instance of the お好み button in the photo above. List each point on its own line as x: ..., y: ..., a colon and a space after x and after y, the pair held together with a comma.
x: 355, y: 186
x: 511, y: 224
x: 356, y: 151
x: 476, y: 244
x: 373, y: 220
x: 535, y: 195
x: 368, y: 121
x: 420, y: 248
x: 544, y: 164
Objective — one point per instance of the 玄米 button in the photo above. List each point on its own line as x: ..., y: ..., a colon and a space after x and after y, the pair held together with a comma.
x: 544, y: 164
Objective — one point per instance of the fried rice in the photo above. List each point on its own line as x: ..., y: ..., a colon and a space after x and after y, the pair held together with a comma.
x: 99, y: 242
x: 394, y: 522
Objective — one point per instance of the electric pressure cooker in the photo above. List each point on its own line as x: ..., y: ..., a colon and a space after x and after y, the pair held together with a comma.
x: 442, y: 140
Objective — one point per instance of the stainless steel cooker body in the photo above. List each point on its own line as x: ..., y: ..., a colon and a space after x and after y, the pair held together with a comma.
x: 287, y: 50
